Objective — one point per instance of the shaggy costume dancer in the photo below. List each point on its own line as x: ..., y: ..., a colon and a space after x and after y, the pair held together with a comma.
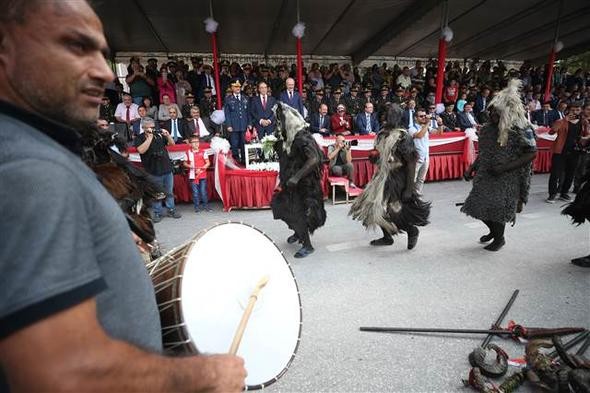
x: 579, y: 211
x: 503, y: 167
x: 390, y: 200
x: 300, y: 201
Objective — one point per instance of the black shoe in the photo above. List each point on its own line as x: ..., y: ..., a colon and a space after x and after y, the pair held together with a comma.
x: 486, y: 238
x: 384, y: 241
x: 292, y: 239
x: 496, y: 244
x: 565, y: 197
x: 551, y: 199
x: 413, y: 238
x: 582, y: 261
x: 174, y: 214
x: 303, y: 252
x: 156, y: 218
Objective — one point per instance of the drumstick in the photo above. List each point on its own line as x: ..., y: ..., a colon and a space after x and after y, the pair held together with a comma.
x: 242, y: 326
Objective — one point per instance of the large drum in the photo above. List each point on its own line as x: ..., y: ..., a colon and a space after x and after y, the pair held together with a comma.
x: 203, y: 287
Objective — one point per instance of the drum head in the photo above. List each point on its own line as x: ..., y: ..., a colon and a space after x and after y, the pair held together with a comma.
x: 222, y: 269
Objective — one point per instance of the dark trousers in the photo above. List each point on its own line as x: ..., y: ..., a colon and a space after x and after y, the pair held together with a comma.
x: 580, y: 170
x: 236, y: 141
x: 563, y: 168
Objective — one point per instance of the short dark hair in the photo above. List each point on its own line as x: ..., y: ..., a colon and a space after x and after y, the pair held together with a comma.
x: 194, y: 137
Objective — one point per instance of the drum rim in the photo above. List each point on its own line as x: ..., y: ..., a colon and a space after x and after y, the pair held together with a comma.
x: 192, y: 341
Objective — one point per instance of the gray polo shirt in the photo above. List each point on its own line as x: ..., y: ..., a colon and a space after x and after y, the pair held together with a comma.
x: 63, y: 238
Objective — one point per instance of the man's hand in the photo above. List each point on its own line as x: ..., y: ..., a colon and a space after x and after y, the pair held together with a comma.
x: 292, y: 182
x: 229, y: 371
x: 407, y: 195
x: 165, y: 133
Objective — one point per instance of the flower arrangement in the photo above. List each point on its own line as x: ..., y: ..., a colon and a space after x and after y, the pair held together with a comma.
x: 268, y: 150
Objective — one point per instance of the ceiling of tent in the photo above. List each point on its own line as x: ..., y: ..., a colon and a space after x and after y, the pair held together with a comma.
x: 487, y: 29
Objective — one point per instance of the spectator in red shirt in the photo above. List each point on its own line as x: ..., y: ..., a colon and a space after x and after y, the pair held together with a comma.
x: 341, y: 121
x: 197, y: 163
x: 451, y: 93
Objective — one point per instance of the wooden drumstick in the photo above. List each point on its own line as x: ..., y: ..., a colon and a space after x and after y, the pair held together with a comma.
x: 242, y: 326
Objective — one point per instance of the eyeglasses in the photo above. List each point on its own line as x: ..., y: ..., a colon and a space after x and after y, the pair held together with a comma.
x: 421, y: 116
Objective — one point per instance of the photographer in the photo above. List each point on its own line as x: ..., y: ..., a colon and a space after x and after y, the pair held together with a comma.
x: 572, y: 137
x: 340, y: 158
x: 420, y: 131
x: 151, y: 145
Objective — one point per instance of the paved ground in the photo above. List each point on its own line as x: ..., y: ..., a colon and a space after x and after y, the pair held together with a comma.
x: 447, y: 281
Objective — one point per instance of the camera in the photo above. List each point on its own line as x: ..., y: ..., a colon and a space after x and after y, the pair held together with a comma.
x: 353, y: 142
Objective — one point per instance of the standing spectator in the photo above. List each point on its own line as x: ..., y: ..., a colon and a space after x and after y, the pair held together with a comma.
x: 451, y: 94
x: 398, y: 96
x: 166, y: 86
x: 319, y: 121
x: 341, y: 122
x: 125, y: 114
x: 237, y: 120
x: 140, y: 85
x: 195, y: 76
x: 335, y: 100
x: 207, y: 103
x: 151, y: 146
x: 291, y: 97
x: 197, y: 163
x: 188, y: 105
x: 420, y: 131
x: 261, y: 111
x: 164, y: 110
x: 353, y: 102
x: 340, y: 158
x: 315, y: 76
x: 566, y: 152
x: 181, y: 88
x: 366, y: 122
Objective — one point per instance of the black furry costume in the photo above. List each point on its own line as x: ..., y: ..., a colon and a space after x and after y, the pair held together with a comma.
x: 130, y: 186
x: 579, y: 211
x: 300, y: 201
x: 390, y: 200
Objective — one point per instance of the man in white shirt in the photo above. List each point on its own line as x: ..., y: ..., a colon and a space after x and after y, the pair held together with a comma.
x: 125, y: 114
x: 197, y: 126
x: 420, y: 132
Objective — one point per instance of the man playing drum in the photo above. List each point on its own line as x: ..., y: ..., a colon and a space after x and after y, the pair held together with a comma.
x: 77, y: 307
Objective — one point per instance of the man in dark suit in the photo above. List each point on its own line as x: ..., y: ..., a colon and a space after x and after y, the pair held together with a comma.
x: 291, y: 97
x: 408, y: 117
x: 546, y: 116
x: 449, y: 117
x: 319, y: 122
x: 261, y: 111
x: 237, y: 119
x: 200, y: 126
x: 482, y: 101
x: 366, y: 122
x: 177, y: 128
x: 466, y: 119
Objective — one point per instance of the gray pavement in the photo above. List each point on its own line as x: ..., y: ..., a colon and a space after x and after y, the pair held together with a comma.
x: 449, y: 280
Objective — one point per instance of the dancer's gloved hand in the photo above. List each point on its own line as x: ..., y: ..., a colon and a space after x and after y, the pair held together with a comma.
x: 292, y: 182
x: 519, y: 206
x: 468, y: 174
x: 407, y: 195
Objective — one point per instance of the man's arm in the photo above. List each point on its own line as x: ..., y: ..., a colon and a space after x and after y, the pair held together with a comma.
x: 334, y: 150
x: 84, y: 358
x: 145, y: 145
x: 311, y: 162
x: 421, y: 132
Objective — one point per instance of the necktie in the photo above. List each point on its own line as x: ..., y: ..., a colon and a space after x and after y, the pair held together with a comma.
x: 174, y: 129
x: 321, y: 120
x: 128, y: 115
x: 434, y: 125
x: 264, y: 102
x: 544, y: 118
x: 369, y: 123
x: 197, y: 130
x: 290, y: 95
